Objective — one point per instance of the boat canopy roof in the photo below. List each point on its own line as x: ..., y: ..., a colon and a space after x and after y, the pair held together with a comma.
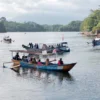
x: 31, y: 52
x: 23, y: 51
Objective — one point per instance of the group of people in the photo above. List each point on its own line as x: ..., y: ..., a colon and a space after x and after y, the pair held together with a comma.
x: 33, y: 60
x: 58, y: 45
x: 32, y: 46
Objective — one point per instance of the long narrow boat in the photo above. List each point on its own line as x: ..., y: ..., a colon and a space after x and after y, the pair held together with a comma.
x: 60, y: 48
x: 36, y: 50
x: 51, y: 67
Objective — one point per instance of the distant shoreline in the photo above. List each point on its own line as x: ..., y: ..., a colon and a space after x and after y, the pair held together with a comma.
x: 88, y: 34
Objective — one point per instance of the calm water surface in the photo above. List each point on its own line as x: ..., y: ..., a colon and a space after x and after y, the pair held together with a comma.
x: 82, y: 82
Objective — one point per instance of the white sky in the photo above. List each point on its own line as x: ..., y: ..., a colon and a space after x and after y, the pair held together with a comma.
x: 47, y: 11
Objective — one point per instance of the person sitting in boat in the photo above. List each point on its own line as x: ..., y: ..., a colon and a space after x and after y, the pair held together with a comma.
x: 34, y: 61
x: 52, y: 47
x: 23, y: 57
x: 30, y: 60
x: 48, y: 62
x: 17, y: 57
x: 54, y: 51
x: 60, y: 62
x: 39, y: 62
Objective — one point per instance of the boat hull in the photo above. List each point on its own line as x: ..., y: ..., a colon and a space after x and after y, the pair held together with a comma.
x: 51, y: 67
x: 16, y: 62
x: 64, y: 49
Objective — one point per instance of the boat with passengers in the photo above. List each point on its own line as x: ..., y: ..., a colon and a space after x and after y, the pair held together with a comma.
x: 96, y: 40
x: 60, y: 47
x: 51, y: 66
x: 7, y: 39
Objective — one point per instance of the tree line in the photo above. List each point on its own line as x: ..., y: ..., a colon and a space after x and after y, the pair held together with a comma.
x: 10, y: 26
x: 92, y: 22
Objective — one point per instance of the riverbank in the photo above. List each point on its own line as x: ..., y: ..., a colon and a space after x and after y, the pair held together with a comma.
x: 88, y: 34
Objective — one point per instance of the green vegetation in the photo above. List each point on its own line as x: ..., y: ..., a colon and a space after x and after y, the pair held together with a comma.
x: 34, y: 27
x: 92, y: 22
x: 23, y: 27
x: 73, y: 26
x: 2, y: 27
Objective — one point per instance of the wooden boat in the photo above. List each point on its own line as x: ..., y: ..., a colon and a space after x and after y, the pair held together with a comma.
x: 36, y: 50
x: 61, y: 48
x: 16, y: 62
x: 51, y: 67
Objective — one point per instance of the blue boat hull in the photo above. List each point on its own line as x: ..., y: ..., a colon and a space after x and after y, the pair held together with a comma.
x: 54, y: 67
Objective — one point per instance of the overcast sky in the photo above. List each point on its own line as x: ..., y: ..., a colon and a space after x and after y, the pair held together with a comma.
x: 47, y: 11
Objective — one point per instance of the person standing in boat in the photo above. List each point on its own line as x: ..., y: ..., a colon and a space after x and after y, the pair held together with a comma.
x: 31, y: 45
x: 60, y: 62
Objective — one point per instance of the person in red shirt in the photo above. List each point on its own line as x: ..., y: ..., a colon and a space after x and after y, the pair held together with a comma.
x: 60, y: 62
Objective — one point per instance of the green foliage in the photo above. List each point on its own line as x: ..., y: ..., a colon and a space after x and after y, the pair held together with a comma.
x: 23, y: 27
x: 54, y: 28
x: 2, y: 28
x: 34, y: 27
x: 73, y: 26
x: 92, y: 22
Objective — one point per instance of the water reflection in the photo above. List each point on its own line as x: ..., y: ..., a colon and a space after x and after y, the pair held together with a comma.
x: 46, y: 76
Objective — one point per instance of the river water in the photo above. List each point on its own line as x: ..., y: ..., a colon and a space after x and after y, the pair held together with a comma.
x: 81, y: 83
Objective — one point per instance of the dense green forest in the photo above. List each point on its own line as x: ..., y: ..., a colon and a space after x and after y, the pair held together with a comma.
x: 92, y: 22
x: 2, y: 27
x: 11, y: 26
x: 72, y: 26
